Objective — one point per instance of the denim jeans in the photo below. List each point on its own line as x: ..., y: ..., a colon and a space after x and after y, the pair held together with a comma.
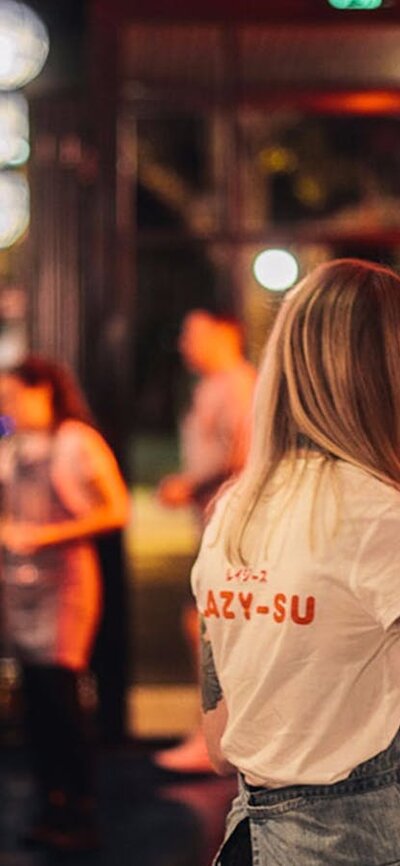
x: 355, y: 822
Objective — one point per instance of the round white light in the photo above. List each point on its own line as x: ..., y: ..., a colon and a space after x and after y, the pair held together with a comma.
x: 276, y: 269
x: 14, y: 207
x: 24, y: 44
x: 14, y: 129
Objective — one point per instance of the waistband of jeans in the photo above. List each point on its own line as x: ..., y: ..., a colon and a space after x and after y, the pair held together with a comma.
x: 382, y: 769
x: 352, y: 785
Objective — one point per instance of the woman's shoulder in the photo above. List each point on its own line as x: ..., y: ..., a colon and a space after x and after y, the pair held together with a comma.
x: 81, y: 457
x: 74, y: 434
x: 72, y: 428
x: 82, y: 449
x: 366, y: 487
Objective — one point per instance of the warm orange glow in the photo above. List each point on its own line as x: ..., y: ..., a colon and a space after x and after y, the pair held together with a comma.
x: 359, y: 102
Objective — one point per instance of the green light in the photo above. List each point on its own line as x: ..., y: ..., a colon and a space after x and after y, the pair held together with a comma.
x: 355, y: 4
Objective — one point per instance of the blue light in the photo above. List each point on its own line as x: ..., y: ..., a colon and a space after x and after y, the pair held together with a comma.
x: 355, y: 4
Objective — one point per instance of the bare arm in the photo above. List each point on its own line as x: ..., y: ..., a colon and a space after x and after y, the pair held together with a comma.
x: 214, y: 709
x: 110, y: 511
x: 107, y: 509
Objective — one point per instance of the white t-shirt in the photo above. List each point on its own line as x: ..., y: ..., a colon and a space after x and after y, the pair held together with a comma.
x: 305, y: 640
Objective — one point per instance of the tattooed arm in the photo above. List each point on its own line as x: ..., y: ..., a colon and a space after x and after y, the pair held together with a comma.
x: 213, y: 704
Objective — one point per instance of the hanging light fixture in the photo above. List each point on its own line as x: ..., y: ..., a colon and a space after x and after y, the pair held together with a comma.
x: 24, y: 44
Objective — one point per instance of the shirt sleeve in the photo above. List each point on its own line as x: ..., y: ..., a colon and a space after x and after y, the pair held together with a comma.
x: 376, y: 570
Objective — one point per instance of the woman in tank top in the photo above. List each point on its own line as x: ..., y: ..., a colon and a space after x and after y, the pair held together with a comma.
x: 60, y: 487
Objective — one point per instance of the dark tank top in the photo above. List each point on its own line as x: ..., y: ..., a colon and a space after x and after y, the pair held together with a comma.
x: 43, y: 590
x: 30, y: 496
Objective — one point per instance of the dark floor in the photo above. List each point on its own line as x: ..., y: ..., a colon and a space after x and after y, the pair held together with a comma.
x: 146, y: 818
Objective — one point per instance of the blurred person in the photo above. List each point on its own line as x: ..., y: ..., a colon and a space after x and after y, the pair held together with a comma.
x: 60, y: 487
x: 214, y: 433
x: 214, y: 438
x: 297, y: 586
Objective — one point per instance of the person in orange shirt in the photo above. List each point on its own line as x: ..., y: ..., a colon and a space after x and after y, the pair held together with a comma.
x: 61, y: 487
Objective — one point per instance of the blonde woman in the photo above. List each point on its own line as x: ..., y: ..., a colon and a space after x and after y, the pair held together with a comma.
x: 298, y: 587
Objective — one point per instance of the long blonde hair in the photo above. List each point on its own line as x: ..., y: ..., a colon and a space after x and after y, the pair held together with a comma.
x: 329, y: 380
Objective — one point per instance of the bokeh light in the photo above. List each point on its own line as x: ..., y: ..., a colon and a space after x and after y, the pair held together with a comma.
x: 275, y: 269
x: 355, y: 4
x: 24, y: 44
x: 14, y: 207
x: 14, y: 129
